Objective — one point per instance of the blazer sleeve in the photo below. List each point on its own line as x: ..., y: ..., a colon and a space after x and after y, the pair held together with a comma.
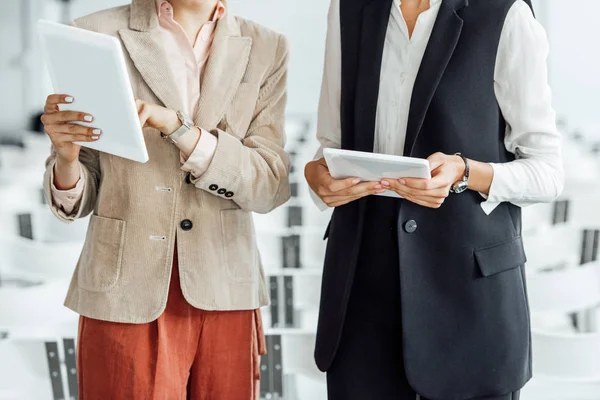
x: 254, y: 171
x: 90, y: 167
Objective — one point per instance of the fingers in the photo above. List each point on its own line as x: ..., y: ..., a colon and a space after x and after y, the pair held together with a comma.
x: 431, y: 202
x: 59, y: 138
x: 423, y: 184
x: 144, y: 115
x: 336, y: 201
x: 65, y: 116
x: 55, y: 99
x: 436, y: 160
x: 432, y: 188
x: 341, y: 184
x: 73, y: 129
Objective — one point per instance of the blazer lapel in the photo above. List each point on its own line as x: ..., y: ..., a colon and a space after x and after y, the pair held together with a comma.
x: 146, y: 51
x: 375, y: 17
x: 443, y: 41
x: 224, y: 71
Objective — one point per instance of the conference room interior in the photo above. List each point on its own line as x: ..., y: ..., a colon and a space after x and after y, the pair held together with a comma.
x: 38, y: 253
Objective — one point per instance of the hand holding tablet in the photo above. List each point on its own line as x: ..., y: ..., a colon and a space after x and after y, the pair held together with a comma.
x: 373, y: 167
x: 89, y: 69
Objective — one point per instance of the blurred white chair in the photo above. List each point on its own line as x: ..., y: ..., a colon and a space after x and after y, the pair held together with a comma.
x: 37, y: 260
x: 33, y: 305
x: 555, y: 389
x: 553, y: 247
x: 566, y: 291
x: 565, y: 367
x: 39, y: 368
x: 49, y: 229
x: 584, y: 209
x: 569, y: 357
x: 537, y: 216
x: 296, y: 359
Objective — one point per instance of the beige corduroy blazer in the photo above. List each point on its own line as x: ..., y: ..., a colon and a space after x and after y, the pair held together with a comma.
x: 124, y: 270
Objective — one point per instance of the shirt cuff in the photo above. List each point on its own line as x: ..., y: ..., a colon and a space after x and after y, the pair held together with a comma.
x: 68, y: 200
x: 197, y: 163
x: 499, y: 180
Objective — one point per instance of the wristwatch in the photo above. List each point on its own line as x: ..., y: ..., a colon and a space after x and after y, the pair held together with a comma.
x: 186, y: 125
x: 463, y: 184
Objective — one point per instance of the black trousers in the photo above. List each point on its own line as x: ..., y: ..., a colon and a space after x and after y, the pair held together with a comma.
x: 369, y: 362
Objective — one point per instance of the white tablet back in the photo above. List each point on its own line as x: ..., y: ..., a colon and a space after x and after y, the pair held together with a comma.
x: 90, y: 67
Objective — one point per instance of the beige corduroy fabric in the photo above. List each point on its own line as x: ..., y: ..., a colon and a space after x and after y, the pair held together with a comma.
x: 124, y: 270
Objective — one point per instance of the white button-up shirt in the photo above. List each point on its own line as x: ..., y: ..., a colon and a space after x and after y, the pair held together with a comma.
x: 520, y: 84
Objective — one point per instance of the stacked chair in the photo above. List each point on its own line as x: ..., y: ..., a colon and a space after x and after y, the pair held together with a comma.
x: 562, y: 243
x: 292, y: 250
x: 37, y: 257
x: 38, y: 254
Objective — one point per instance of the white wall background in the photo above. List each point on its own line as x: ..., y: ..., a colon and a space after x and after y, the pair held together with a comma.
x: 572, y: 26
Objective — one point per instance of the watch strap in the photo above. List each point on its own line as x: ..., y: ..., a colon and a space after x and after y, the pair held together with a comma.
x: 461, y: 186
x: 186, y: 125
x: 467, y: 169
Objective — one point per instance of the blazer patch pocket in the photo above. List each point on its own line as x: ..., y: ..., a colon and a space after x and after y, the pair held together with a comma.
x: 501, y: 257
x: 100, y: 260
x: 240, y: 253
x: 241, y: 110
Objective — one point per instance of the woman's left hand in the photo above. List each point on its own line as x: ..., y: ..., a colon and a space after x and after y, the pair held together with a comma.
x: 446, y: 170
x: 155, y: 116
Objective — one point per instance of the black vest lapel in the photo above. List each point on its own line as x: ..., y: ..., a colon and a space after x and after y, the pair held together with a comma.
x: 375, y: 17
x: 443, y: 41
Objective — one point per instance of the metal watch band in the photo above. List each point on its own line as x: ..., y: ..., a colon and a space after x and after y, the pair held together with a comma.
x: 186, y: 125
x: 462, y: 185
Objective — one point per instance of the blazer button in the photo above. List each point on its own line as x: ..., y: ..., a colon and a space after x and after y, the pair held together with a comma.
x: 186, y: 225
x: 188, y: 178
x: 213, y: 187
x: 410, y: 226
x: 229, y: 194
x: 222, y: 191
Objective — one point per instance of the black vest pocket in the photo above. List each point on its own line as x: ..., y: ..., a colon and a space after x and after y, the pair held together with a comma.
x: 501, y: 257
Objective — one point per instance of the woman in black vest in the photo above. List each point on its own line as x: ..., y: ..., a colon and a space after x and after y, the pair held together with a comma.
x: 425, y: 297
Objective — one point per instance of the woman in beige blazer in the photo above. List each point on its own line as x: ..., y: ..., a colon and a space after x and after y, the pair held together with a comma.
x: 170, y: 281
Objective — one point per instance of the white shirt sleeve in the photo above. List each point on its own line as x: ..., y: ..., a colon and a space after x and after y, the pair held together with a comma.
x: 329, y: 130
x: 524, y: 97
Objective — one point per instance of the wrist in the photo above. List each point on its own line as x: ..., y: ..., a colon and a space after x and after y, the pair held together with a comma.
x: 172, y: 124
x: 460, y: 168
x: 66, y: 163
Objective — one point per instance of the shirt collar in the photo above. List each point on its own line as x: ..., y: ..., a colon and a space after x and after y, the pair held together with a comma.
x: 432, y: 3
x: 164, y: 8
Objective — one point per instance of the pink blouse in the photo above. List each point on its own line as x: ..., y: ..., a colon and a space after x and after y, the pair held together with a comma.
x: 187, y: 63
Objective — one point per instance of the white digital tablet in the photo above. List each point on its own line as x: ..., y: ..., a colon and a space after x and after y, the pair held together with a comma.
x: 371, y: 167
x: 91, y: 67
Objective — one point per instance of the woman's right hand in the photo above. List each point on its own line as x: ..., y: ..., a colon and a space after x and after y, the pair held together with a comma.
x: 62, y: 132
x: 335, y: 193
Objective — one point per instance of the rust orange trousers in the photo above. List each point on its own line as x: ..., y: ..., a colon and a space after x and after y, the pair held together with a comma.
x: 186, y: 353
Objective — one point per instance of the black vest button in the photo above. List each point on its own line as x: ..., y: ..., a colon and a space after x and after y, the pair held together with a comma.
x: 213, y: 187
x: 229, y: 194
x: 188, y: 178
x: 410, y: 226
x: 186, y: 225
x: 222, y: 191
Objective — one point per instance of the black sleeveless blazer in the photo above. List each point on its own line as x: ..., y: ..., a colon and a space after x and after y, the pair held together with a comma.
x: 465, y: 315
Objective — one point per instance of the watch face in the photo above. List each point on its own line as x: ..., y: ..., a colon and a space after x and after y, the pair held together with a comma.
x: 460, y: 187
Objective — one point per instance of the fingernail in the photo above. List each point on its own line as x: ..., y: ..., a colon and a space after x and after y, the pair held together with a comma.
x: 97, y: 131
x: 95, y: 137
x: 402, y: 182
x: 385, y: 183
x: 69, y: 99
x: 88, y: 118
x: 378, y: 187
x: 356, y: 181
